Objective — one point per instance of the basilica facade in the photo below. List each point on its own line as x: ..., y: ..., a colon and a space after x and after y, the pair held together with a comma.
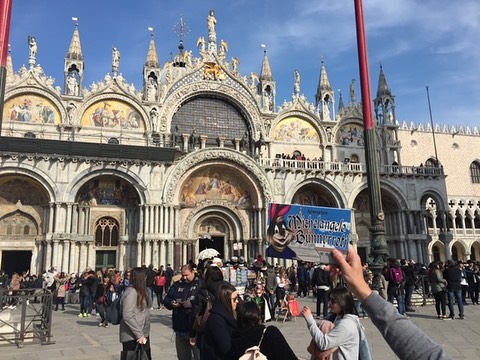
x: 114, y: 176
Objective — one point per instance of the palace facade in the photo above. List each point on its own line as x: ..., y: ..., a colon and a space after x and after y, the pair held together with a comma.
x: 114, y: 176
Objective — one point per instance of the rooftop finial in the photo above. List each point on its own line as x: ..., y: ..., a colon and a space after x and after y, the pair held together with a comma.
x: 75, y: 19
x: 181, y: 29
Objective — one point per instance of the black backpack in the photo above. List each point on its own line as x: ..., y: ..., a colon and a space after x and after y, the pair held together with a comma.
x: 115, y: 312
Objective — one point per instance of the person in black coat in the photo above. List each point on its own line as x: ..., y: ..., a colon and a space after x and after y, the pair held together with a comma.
x: 220, y: 324
x: 453, y: 275
x: 250, y: 331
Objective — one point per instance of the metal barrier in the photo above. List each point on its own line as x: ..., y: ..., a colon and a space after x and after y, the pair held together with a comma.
x: 26, y: 315
x: 422, y: 287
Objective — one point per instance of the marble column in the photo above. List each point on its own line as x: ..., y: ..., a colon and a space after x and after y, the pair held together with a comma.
x: 139, y: 254
x: 75, y: 219
x: 184, y: 253
x: 155, y: 254
x: 121, y: 256
x: 50, y: 218
x: 55, y: 254
x: 73, y: 256
x: 163, y: 253
x: 91, y: 256
x: 66, y: 256
x: 68, y: 225
x: 148, y: 252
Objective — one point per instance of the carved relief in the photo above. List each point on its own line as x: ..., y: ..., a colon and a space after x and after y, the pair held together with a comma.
x: 201, y: 206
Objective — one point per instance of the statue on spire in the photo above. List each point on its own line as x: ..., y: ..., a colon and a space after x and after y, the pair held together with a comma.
x: 212, y: 35
x: 211, y: 22
x: 296, y: 84
x: 115, y: 60
x: 32, y: 47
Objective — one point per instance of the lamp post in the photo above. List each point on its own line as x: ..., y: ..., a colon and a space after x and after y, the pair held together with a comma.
x: 377, y: 229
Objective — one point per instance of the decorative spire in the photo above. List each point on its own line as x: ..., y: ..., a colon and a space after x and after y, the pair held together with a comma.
x: 341, y: 105
x: 323, y: 83
x: 9, y: 62
x: 152, y: 57
x: 182, y: 30
x: 75, y: 48
x: 382, y: 89
x: 266, y: 72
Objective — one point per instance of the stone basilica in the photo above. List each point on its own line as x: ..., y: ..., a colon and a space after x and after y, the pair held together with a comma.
x: 113, y: 176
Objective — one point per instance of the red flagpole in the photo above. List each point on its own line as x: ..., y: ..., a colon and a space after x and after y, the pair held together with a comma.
x: 5, y: 16
x: 363, y: 66
x: 377, y: 230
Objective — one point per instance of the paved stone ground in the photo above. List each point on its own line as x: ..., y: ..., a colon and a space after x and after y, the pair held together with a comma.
x: 81, y: 338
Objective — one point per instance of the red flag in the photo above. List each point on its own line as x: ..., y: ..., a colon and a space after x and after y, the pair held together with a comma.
x: 5, y: 16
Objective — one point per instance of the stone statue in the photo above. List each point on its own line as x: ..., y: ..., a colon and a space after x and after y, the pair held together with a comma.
x: 154, y: 118
x: 296, y: 84
x: 32, y: 46
x: 115, y: 59
x: 235, y: 63
x: 151, y: 90
x: 326, y: 109
x: 211, y: 21
x: 71, y: 110
x: 201, y: 44
x: 72, y: 85
x: 174, y: 136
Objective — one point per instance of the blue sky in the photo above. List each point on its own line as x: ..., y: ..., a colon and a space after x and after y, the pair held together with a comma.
x: 419, y: 42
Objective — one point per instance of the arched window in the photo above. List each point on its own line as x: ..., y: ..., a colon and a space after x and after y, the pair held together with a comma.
x: 454, y: 253
x: 475, y: 172
x: 436, y: 253
x: 473, y: 255
x: 458, y: 220
x: 468, y: 220
x: 431, y: 163
x: 476, y: 220
x: 106, y: 232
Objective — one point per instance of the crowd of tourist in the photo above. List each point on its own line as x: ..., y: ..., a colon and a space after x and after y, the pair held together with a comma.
x: 214, y: 319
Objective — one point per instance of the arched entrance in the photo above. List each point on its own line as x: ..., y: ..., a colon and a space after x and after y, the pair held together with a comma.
x: 23, y: 203
x: 212, y: 232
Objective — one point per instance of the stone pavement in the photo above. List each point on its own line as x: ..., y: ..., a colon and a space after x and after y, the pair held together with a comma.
x: 81, y: 338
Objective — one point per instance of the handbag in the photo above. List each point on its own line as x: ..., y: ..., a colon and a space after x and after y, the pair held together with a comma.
x: 254, y: 353
x: 139, y: 353
x: 200, y: 322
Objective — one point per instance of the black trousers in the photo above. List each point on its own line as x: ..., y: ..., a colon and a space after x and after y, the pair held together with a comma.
x: 322, y: 297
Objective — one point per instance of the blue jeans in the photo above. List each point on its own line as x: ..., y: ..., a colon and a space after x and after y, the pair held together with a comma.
x: 400, y: 302
x: 458, y: 296
x: 408, y: 295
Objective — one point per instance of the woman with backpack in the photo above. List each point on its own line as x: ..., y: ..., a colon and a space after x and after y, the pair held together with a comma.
x: 159, y: 285
x: 251, y: 333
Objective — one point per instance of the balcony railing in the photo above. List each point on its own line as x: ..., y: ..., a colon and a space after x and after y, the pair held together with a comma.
x: 336, y: 166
